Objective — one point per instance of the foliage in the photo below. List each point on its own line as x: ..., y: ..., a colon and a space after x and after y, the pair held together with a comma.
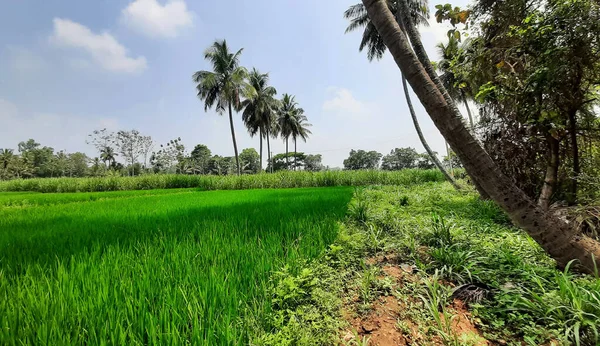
x: 361, y: 159
x: 283, y: 179
x: 312, y: 163
x: 534, y: 66
x: 250, y: 161
x: 400, y: 158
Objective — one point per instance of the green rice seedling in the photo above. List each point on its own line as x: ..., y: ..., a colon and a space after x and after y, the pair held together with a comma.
x: 143, y: 267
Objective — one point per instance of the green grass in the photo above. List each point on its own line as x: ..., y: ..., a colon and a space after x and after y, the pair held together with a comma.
x: 452, y: 238
x: 284, y: 179
x: 153, y: 267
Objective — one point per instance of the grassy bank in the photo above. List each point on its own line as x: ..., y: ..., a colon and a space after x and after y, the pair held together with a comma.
x: 286, y: 179
x: 159, y: 268
x: 428, y: 265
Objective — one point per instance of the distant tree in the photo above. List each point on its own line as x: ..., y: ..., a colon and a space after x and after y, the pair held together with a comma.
x: 98, y: 168
x: 250, y: 161
x: 131, y: 145
x: 219, y: 165
x: 301, y: 130
x: 38, y: 157
x: 200, y: 157
x: 78, y: 164
x: 223, y: 85
x: 287, y: 119
x: 424, y: 161
x: 108, y: 156
x: 282, y: 161
x: 360, y: 159
x: 313, y: 163
x: 452, y: 160
x: 260, y: 107
x: 6, y: 157
x: 400, y: 158
x: 169, y: 158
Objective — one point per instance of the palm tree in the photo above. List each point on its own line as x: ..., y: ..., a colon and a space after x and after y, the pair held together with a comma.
x: 223, y: 85
x: 107, y: 154
x: 6, y: 156
x: 301, y: 131
x: 553, y: 234
x: 358, y: 16
x: 260, y: 106
x: 287, y: 120
x: 458, y: 88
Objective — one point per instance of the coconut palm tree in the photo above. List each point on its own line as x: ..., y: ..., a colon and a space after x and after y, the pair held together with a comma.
x: 287, y: 120
x: 301, y: 131
x: 453, y: 53
x: 553, y: 234
x: 372, y: 41
x: 107, y: 154
x: 222, y: 86
x: 260, y: 107
x: 6, y: 156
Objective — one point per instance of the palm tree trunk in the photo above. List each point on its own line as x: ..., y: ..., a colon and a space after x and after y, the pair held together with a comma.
x: 237, y: 159
x: 552, y: 233
x: 261, y: 149
x: 270, y: 163
x: 287, y: 164
x: 468, y: 112
x: 434, y: 158
x: 295, y: 152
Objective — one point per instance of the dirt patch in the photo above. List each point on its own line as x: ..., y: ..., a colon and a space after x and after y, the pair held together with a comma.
x: 463, y: 327
x: 379, y: 326
x: 386, y: 323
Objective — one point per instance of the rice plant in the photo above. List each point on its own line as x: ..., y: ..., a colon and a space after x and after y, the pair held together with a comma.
x: 184, y: 267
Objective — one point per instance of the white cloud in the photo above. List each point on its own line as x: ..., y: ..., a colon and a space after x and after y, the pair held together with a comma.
x: 153, y: 19
x: 60, y: 131
x: 344, y: 102
x: 103, y: 48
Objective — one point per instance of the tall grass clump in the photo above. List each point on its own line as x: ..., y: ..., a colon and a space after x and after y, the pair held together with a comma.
x: 185, y: 267
x: 283, y: 179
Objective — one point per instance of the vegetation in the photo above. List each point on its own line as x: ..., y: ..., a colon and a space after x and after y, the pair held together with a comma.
x: 284, y: 179
x: 448, y: 247
x: 555, y: 235
x: 168, y: 268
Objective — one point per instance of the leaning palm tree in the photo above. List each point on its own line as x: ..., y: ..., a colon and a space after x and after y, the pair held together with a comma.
x: 372, y: 41
x: 458, y: 88
x: 222, y: 86
x: 301, y: 131
x: 259, y: 107
x: 287, y: 120
x: 552, y: 233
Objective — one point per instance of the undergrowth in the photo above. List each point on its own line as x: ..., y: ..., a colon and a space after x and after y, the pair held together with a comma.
x: 453, y: 240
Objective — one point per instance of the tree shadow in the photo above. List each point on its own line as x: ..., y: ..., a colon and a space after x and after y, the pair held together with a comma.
x: 55, y: 238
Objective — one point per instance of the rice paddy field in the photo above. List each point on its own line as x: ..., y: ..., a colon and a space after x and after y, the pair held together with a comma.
x: 158, y: 267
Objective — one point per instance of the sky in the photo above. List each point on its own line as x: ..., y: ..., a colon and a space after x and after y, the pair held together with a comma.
x: 68, y: 67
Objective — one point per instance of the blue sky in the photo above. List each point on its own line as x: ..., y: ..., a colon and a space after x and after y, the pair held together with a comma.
x: 68, y: 67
